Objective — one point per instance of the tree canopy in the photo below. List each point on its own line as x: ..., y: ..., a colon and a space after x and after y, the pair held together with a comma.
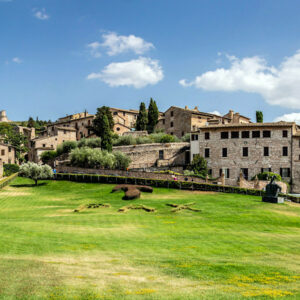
x: 142, y: 118
x: 35, y: 172
x: 153, y: 115
x: 259, y: 117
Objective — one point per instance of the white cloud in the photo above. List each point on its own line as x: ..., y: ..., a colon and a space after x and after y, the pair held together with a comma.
x: 94, y: 49
x: 17, y: 60
x: 293, y: 117
x: 137, y: 73
x: 278, y: 86
x: 117, y: 44
x: 41, y: 14
x: 215, y: 112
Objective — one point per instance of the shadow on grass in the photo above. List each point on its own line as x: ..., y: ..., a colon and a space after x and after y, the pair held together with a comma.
x: 28, y: 185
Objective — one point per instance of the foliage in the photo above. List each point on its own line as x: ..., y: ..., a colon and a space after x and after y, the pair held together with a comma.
x: 199, y: 165
x: 96, y: 158
x: 19, y: 142
x: 90, y: 143
x: 153, y: 115
x: 98, y: 121
x: 106, y: 139
x: 30, y: 122
x: 267, y: 176
x: 186, y: 138
x: 47, y: 156
x: 259, y: 117
x: 66, y: 147
x: 142, y: 118
x: 10, y: 169
x: 35, y: 172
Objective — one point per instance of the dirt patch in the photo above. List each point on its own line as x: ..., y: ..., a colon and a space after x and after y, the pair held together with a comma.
x: 286, y: 213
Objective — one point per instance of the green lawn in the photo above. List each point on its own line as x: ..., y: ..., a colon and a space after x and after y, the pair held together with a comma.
x: 237, y: 247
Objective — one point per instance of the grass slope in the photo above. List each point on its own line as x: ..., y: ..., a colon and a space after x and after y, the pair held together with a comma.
x: 237, y: 247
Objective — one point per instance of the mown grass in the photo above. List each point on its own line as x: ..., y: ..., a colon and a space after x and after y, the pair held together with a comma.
x: 237, y: 247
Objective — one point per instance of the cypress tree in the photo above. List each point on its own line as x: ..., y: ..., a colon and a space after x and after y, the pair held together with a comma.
x: 98, y: 121
x: 259, y: 117
x: 106, y: 137
x: 30, y: 123
x: 153, y: 114
x: 142, y: 118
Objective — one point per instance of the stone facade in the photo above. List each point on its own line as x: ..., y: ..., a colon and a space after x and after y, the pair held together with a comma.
x: 156, y: 155
x: 7, y: 154
x: 251, y: 149
x: 50, y: 139
x: 179, y: 121
x: 3, y: 117
x: 124, y: 119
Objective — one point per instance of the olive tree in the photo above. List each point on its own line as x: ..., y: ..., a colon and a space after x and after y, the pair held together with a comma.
x: 35, y: 172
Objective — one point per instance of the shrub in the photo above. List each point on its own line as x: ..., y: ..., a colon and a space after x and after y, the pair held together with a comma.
x: 35, y: 171
x: 199, y: 165
x: 124, y: 141
x: 186, y: 138
x: 267, y: 176
x: 46, y: 156
x: 66, y: 147
x: 122, y: 160
x: 90, y: 143
x: 10, y: 169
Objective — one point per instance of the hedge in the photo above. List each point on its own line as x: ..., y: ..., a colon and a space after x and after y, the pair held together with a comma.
x: 5, y: 181
x: 184, y: 185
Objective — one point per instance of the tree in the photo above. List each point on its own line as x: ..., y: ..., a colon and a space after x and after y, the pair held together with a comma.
x: 142, y: 118
x: 153, y: 114
x: 35, y: 172
x: 30, y: 123
x: 98, y: 121
x: 259, y: 117
x: 19, y: 142
x: 199, y: 165
x: 106, y: 137
x: 47, y: 156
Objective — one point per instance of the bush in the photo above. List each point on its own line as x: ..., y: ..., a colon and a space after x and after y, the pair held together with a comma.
x: 66, y: 147
x: 124, y: 141
x: 199, y: 165
x: 267, y: 176
x: 10, y: 169
x: 186, y: 138
x: 90, y: 143
x: 46, y: 156
x: 96, y: 158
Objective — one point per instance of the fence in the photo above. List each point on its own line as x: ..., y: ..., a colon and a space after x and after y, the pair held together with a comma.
x: 5, y: 181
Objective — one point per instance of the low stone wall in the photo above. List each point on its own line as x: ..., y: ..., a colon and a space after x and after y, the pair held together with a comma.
x: 135, y: 174
x: 260, y: 184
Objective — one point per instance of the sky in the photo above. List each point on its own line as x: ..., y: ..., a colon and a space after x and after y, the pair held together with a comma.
x: 61, y: 57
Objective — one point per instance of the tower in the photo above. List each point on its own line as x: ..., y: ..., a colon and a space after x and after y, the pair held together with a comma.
x: 3, y: 117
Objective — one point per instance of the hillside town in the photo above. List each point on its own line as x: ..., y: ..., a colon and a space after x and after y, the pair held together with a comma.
x: 234, y: 148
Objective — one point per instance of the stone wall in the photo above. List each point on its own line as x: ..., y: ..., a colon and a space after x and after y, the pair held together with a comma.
x: 156, y: 155
x: 7, y: 154
x: 1, y: 168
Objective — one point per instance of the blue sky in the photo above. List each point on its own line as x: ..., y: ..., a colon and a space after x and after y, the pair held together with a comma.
x: 64, y: 56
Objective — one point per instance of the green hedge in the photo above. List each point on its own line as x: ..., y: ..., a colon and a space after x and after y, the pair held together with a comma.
x: 185, y: 185
x: 10, y: 169
x: 5, y: 181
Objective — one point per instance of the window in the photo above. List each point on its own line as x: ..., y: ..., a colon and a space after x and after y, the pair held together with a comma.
x: 194, y: 137
x: 224, y: 135
x: 245, y: 134
x: 172, y: 124
x: 266, y: 133
x: 206, y: 152
x: 225, y: 171
x: 245, y: 173
x: 284, y: 151
x: 163, y: 121
x: 266, y: 170
x: 52, y: 128
x: 124, y: 114
x: 65, y: 131
x: 44, y: 145
x: 118, y: 128
x: 266, y: 151
x: 224, y: 152
x: 172, y: 133
x: 2, y: 152
x: 206, y: 135
x: 235, y: 135
x: 284, y: 133
x: 256, y: 134
x: 285, y: 172
x: 209, y: 172
x: 89, y: 122
x: 182, y: 133
x: 115, y: 113
x: 9, y: 149
x: 161, y: 154
x: 172, y: 113
x: 245, y: 151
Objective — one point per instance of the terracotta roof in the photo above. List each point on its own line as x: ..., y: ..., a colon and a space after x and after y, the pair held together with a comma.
x: 133, y: 111
x: 270, y: 124
x: 198, y: 112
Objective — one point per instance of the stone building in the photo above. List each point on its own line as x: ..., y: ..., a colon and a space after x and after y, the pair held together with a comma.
x: 7, y: 154
x: 179, y: 121
x: 124, y: 119
x: 49, y: 140
x: 250, y: 148
x: 3, y: 117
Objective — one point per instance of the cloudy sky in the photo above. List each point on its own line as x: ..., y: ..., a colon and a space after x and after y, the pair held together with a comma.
x: 64, y: 56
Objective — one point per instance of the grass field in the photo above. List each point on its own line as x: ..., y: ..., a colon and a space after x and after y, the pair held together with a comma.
x: 236, y: 248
